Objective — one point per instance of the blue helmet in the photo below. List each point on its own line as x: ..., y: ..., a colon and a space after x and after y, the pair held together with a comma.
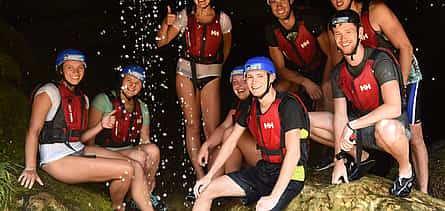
x: 70, y: 55
x: 259, y: 63
x: 237, y: 71
x: 134, y: 70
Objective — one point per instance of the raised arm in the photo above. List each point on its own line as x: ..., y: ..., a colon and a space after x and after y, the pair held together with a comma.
x: 106, y: 122
x: 167, y: 31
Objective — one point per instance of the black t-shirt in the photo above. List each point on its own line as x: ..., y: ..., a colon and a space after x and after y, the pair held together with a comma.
x: 313, y: 23
x: 384, y: 70
x: 291, y: 113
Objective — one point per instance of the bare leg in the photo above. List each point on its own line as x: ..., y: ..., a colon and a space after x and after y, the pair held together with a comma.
x: 73, y: 170
x: 419, y: 156
x: 322, y: 128
x: 148, y: 156
x: 212, y: 157
x: 138, y: 187
x: 247, y: 146
x: 327, y: 100
x: 210, y: 104
x: 210, y: 109
x: 219, y: 187
x: 233, y: 163
x: 390, y: 135
x: 190, y: 104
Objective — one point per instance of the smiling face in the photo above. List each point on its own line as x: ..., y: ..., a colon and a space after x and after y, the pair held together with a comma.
x: 280, y: 8
x: 240, y: 88
x: 340, y: 4
x: 257, y: 81
x: 131, y: 86
x: 73, y: 72
x: 346, y: 37
x: 202, y: 3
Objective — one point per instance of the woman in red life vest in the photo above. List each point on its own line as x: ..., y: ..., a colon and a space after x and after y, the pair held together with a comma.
x: 246, y: 146
x: 130, y: 136
x: 205, y: 47
x: 279, y: 123
x: 381, y: 28
x: 58, y: 129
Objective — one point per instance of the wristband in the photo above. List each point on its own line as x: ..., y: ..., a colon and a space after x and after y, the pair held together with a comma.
x: 29, y: 169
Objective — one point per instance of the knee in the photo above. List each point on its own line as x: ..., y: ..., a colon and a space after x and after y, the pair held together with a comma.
x: 208, y: 194
x: 137, y: 167
x: 390, y: 131
x: 152, y: 152
x: 128, y: 171
x: 140, y: 156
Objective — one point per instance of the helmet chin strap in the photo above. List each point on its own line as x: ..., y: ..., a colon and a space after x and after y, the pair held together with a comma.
x: 356, y: 45
x: 66, y: 81
x: 268, y: 87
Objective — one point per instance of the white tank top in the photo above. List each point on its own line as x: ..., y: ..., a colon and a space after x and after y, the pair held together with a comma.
x: 52, y: 152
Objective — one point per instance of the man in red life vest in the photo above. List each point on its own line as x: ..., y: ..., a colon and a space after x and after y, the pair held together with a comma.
x: 381, y: 28
x: 299, y: 47
x: 369, y: 110
x: 280, y: 125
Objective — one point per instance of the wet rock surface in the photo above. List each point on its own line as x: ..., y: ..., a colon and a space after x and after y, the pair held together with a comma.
x: 369, y: 193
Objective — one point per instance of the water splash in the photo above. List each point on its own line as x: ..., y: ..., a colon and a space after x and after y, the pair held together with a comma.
x: 140, y: 21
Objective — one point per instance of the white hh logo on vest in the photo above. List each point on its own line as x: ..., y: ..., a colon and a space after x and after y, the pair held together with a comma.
x: 268, y: 125
x: 363, y: 36
x: 365, y: 87
x: 304, y: 44
x: 214, y: 33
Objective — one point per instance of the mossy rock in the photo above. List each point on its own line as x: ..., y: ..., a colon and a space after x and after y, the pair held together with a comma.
x: 369, y: 193
x: 437, y: 174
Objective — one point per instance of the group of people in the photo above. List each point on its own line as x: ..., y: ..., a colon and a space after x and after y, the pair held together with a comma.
x: 349, y: 84
x: 337, y: 83
x: 107, y: 142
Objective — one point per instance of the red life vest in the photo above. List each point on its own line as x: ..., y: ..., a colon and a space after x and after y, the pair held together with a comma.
x: 235, y: 116
x: 204, y: 41
x: 126, y: 130
x: 363, y: 91
x: 369, y: 35
x: 371, y: 38
x: 303, y: 51
x: 266, y: 129
x: 69, y: 121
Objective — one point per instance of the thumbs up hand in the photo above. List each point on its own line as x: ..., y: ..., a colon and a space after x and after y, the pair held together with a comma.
x: 171, y: 17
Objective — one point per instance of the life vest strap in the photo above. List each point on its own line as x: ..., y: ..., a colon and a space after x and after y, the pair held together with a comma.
x: 57, y: 135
